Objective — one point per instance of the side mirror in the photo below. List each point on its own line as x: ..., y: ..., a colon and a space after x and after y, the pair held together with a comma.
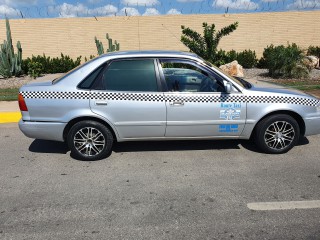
x: 228, y: 87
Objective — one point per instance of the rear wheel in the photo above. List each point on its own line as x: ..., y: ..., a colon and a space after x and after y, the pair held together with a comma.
x: 277, y: 133
x: 90, y: 140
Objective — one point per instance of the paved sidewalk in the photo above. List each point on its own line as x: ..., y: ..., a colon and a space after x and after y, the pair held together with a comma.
x: 11, y: 106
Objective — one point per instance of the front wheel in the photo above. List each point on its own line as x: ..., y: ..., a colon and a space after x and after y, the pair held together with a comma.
x: 90, y: 140
x: 277, y: 134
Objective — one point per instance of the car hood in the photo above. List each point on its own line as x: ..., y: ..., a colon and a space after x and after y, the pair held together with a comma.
x: 259, y: 86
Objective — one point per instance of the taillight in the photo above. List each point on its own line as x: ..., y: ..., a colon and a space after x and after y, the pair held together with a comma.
x: 22, y: 103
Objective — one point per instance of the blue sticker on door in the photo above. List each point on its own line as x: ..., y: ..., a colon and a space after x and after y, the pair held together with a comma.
x: 228, y: 128
x: 230, y: 111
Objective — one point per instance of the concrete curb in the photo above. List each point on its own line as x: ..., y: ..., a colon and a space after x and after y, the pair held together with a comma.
x: 10, y: 117
x: 9, y: 112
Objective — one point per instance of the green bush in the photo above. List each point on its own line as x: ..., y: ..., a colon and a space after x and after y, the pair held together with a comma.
x: 284, y: 61
x: 52, y: 65
x: 314, y: 50
x: 206, y: 45
x: 247, y: 58
x: 34, y: 69
x: 91, y: 57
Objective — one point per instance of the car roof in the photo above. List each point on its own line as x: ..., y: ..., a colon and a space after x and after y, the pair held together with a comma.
x: 153, y: 53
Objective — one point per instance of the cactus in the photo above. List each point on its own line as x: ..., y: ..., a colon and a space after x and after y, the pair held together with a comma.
x: 10, y: 63
x: 111, y: 47
x: 99, y: 46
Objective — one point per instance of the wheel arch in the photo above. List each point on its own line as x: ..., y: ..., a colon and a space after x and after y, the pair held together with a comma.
x: 79, y: 119
x: 293, y: 114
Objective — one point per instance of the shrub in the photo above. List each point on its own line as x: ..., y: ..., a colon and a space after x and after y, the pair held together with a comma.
x: 315, y: 51
x: 52, y: 65
x: 91, y: 57
x: 34, y: 69
x: 284, y: 61
x: 206, y: 45
x: 247, y: 58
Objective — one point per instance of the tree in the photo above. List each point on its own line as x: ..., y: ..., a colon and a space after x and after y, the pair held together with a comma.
x: 206, y: 46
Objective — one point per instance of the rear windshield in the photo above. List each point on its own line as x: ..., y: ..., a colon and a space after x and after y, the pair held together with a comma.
x: 56, y: 80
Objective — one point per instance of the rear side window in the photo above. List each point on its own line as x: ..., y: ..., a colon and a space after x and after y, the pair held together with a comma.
x: 89, y: 81
x: 130, y: 75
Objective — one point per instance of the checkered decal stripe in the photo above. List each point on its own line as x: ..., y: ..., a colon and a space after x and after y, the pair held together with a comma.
x: 147, y: 97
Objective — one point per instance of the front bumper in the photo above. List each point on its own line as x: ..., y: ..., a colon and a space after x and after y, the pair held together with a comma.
x: 43, y: 130
x: 312, y: 125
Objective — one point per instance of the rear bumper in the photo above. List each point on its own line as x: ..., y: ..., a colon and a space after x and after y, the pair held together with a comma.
x: 43, y: 130
x: 312, y: 126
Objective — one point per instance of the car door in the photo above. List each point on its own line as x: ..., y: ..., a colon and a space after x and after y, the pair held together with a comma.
x: 197, y: 105
x: 127, y: 95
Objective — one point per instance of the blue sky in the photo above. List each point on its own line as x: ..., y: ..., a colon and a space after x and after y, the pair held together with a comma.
x: 90, y: 8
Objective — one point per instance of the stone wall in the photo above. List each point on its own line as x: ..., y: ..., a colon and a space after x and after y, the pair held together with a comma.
x: 75, y: 36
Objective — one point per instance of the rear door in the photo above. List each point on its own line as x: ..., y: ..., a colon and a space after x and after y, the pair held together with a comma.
x: 127, y: 95
x: 197, y: 105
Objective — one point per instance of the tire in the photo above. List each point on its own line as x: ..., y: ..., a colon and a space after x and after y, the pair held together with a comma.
x: 277, y: 134
x: 90, y: 141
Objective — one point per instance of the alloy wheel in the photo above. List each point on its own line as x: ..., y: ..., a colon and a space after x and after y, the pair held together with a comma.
x: 279, y: 135
x: 89, y: 141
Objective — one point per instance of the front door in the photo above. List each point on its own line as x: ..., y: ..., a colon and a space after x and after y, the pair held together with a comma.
x: 197, y: 105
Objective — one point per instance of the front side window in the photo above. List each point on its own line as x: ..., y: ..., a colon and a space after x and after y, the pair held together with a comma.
x: 182, y: 76
x: 130, y: 75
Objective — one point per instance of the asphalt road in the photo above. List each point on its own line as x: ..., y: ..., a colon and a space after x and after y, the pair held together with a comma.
x: 156, y: 190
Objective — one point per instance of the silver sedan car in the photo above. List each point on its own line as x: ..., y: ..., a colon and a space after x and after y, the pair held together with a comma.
x: 161, y: 95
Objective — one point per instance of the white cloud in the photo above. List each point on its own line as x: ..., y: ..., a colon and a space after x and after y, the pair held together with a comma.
x: 173, y: 11
x: 151, y: 12
x: 6, y: 11
x: 301, y: 4
x: 66, y: 10
x: 184, y: 1
x: 140, y: 2
x: 94, y: 1
x: 236, y: 4
x: 128, y: 11
x: 103, y: 11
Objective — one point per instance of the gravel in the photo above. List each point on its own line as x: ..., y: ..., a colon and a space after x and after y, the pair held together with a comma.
x: 262, y: 74
x: 17, y: 82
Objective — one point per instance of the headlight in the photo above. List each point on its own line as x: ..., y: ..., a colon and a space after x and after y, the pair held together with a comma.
x: 318, y: 106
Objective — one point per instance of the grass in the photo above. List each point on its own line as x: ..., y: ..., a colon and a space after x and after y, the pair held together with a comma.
x: 303, y: 85
x: 307, y: 87
x: 9, y: 94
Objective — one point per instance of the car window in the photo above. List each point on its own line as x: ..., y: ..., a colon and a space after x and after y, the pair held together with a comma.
x: 130, y: 75
x: 187, y: 77
x: 88, y: 82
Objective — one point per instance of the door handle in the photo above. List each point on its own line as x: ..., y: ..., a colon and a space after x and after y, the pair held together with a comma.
x: 177, y: 103
x: 101, y: 103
